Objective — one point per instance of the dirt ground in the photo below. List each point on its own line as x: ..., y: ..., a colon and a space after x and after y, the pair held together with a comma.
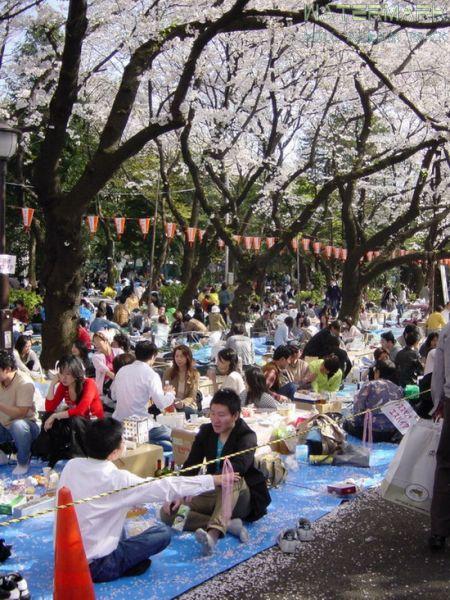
x: 368, y: 548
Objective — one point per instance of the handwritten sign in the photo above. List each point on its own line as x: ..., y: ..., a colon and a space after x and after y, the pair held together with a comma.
x: 401, y: 414
x: 7, y: 264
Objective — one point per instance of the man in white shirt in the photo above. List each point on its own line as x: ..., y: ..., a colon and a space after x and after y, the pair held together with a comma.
x: 135, y: 385
x: 283, y: 332
x: 109, y: 553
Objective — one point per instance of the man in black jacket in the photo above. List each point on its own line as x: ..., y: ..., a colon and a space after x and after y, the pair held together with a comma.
x: 226, y: 434
x: 324, y: 341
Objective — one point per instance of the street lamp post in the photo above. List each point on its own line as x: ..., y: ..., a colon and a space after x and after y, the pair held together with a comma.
x: 8, y: 146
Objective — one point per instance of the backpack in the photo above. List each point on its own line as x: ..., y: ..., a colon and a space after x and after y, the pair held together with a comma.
x: 272, y: 467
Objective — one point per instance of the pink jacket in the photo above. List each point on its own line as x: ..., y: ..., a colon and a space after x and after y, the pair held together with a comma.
x: 99, y: 362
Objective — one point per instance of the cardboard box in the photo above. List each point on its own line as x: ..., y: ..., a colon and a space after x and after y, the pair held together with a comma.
x: 182, y: 440
x: 326, y: 407
x: 9, y: 502
x: 142, y: 461
x: 33, y: 506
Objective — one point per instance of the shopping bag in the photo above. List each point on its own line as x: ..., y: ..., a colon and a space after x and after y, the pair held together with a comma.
x: 410, y: 477
x: 353, y: 456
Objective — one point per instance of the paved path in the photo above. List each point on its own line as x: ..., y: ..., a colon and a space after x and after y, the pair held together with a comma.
x: 366, y: 549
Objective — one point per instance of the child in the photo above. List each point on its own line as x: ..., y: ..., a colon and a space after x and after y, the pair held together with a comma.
x: 101, y: 521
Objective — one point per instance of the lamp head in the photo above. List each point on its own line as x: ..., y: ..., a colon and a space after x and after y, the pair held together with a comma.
x: 8, y: 141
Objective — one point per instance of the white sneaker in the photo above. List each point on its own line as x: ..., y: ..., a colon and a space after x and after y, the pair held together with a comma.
x: 21, y: 469
x: 287, y: 541
x: 4, y: 460
x: 236, y: 528
x: 205, y: 540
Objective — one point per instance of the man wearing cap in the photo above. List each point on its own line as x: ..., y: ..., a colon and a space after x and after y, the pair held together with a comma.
x: 390, y: 344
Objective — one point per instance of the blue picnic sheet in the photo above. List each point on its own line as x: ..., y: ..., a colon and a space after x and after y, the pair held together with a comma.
x: 181, y: 566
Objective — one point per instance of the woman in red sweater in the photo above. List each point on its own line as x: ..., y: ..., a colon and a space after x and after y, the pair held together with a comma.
x: 79, y: 393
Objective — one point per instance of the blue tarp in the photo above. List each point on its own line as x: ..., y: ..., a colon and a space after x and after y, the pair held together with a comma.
x: 181, y: 566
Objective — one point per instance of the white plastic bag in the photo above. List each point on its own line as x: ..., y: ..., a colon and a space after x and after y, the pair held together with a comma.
x: 410, y: 477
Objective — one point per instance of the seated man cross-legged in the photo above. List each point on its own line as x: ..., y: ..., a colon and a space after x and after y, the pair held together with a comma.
x: 226, y: 434
x: 110, y: 554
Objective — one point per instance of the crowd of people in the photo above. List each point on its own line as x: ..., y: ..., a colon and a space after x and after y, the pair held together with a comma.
x: 110, y: 375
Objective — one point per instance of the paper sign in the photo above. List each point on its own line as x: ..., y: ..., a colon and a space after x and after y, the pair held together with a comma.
x: 401, y: 414
x: 7, y: 264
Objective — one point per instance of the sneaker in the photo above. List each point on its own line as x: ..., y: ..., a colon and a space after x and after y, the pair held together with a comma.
x: 304, y: 531
x: 287, y: 541
x: 21, y: 583
x: 4, y: 460
x: 237, y: 529
x: 205, y: 540
x: 21, y: 469
x: 8, y: 589
x: 436, y: 543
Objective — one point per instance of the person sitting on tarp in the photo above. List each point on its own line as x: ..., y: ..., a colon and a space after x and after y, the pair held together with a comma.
x: 110, y: 554
x: 322, y: 343
x: 226, y: 434
x: 376, y: 393
x: 408, y: 362
x: 326, y: 374
x: 273, y: 371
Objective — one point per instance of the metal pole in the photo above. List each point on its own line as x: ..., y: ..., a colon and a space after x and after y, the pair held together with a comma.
x: 5, y: 313
x: 227, y: 252
x: 152, y: 249
x: 4, y: 278
x: 298, y: 274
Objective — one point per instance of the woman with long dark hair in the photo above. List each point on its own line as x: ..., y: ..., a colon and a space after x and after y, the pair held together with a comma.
x: 63, y: 431
x: 257, y: 392
x: 78, y: 392
x: 184, y: 377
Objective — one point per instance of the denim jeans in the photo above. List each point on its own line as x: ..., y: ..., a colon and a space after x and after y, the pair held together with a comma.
x: 288, y: 389
x: 23, y: 433
x: 129, y: 553
x: 161, y: 437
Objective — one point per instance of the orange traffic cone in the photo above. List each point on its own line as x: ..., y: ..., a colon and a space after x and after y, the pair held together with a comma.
x: 72, y: 579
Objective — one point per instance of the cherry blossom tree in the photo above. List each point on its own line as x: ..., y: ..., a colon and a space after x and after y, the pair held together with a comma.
x: 95, y: 64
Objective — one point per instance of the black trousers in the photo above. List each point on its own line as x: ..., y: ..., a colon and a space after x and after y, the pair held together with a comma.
x: 440, y: 506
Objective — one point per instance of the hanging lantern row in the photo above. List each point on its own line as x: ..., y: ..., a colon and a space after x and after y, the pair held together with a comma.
x: 119, y: 224
x: 249, y: 242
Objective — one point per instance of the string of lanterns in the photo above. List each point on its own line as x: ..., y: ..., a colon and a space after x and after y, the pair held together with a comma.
x: 250, y: 243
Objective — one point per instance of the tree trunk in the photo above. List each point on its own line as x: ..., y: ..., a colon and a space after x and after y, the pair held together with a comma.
x: 351, y: 292
x: 197, y: 272
x: 62, y: 277
x: 188, y: 262
x: 161, y: 258
x: 241, y: 302
x: 110, y: 270
x: 305, y: 282
x: 260, y: 286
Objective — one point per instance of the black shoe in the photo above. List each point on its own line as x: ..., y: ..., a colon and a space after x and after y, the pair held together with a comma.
x: 138, y: 569
x: 8, y: 589
x: 22, y: 585
x: 436, y: 543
